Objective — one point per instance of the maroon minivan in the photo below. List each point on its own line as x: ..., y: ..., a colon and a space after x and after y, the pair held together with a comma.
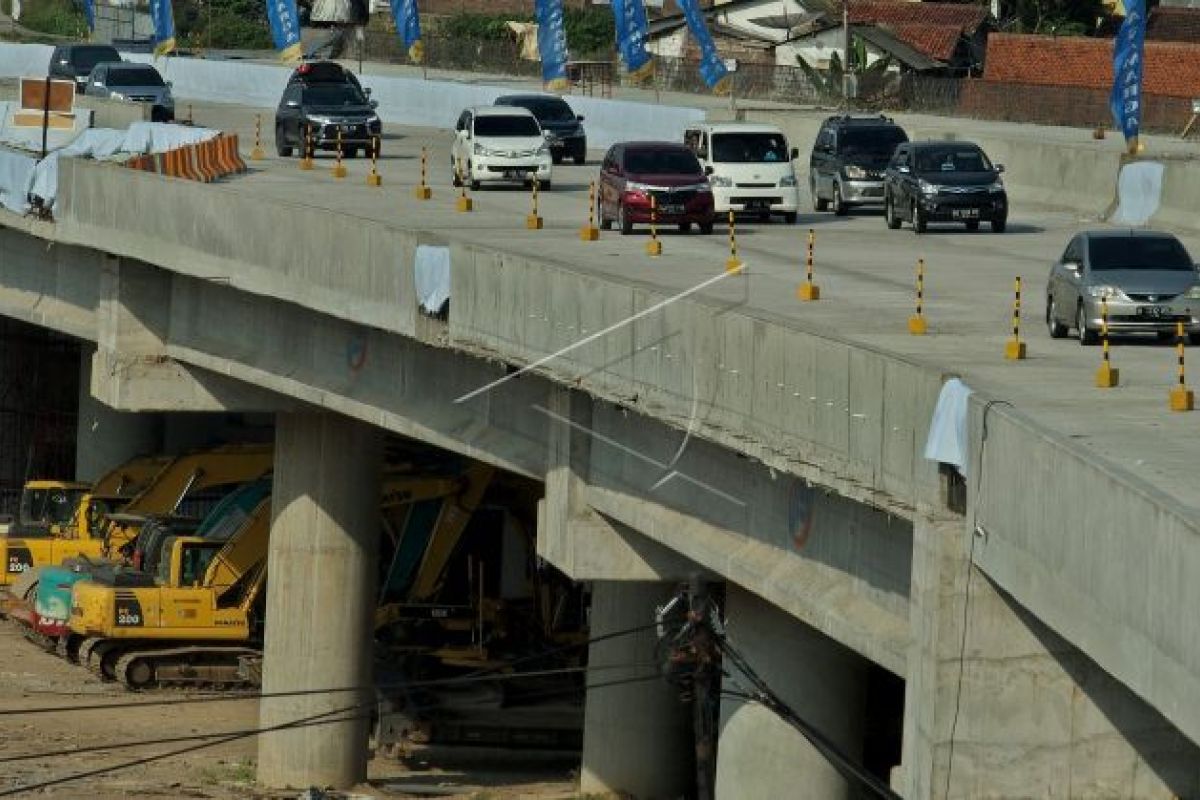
x: 633, y: 172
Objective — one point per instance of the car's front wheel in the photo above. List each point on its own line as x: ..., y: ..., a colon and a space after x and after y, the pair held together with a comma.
x: 623, y: 221
x: 919, y: 222
x: 889, y: 212
x: 839, y: 206
x: 1056, y: 328
x: 973, y: 225
x: 790, y: 217
x: 999, y: 225
x: 580, y: 158
x: 1086, y: 337
x: 818, y: 203
x: 706, y: 228
x: 282, y: 148
x: 685, y: 227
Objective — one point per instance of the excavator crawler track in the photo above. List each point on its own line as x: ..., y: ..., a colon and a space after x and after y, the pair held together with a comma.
x: 193, y: 667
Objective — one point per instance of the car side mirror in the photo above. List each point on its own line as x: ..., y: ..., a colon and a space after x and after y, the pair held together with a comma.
x: 170, y: 84
x: 547, y: 135
x: 98, y: 84
x: 795, y: 152
x: 367, y: 91
x: 903, y: 169
x: 999, y: 168
x: 1073, y: 266
x: 579, y: 117
x: 708, y: 170
x: 373, y: 104
x: 292, y: 104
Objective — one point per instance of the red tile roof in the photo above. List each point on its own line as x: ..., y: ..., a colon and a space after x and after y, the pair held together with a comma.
x: 1174, y: 25
x: 936, y: 41
x: 965, y: 17
x: 1171, y: 69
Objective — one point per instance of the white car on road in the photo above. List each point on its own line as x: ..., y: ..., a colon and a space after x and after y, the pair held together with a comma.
x: 500, y: 144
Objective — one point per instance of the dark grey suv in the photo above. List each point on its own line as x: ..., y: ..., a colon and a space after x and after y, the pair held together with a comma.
x: 848, y: 159
x: 74, y: 62
x: 567, y: 137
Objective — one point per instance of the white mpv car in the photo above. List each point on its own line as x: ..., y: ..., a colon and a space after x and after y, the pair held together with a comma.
x: 500, y: 143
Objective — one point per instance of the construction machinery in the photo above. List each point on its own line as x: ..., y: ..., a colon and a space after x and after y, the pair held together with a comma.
x: 62, y: 519
x: 189, y: 484
x: 198, y: 619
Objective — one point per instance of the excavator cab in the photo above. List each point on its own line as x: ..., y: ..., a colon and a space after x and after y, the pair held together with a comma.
x: 48, y: 508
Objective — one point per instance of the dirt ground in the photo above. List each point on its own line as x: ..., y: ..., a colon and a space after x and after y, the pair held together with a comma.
x: 32, y: 678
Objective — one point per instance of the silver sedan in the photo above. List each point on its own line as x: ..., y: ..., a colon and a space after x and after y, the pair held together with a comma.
x: 1146, y: 279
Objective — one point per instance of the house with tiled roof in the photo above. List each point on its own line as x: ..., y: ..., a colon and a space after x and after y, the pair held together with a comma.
x: 1046, y: 78
x: 1167, y: 24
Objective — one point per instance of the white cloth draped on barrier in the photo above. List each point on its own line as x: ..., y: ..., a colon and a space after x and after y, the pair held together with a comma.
x: 22, y: 176
x: 947, y: 442
x: 1139, y: 193
x: 431, y: 268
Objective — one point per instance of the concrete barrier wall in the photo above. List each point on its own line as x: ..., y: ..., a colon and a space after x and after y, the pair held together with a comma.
x: 755, y: 397
x: 200, y: 231
x: 1103, y: 558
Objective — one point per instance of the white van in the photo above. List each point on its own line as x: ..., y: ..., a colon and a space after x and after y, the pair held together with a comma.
x: 749, y: 165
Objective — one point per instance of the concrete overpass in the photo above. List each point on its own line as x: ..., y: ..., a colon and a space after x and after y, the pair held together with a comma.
x: 1042, y: 632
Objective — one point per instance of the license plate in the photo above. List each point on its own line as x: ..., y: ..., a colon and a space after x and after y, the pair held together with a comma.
x: 1154, y: 311
x: 516, y: 174
x: 671, y: 208
x: 347, y: 128
x: 758, y: 205
x: 965, y: 213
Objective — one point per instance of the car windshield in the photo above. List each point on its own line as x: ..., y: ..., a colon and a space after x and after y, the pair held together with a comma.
x: 84, y: 58
x: 134, y: 76
x: 551, y: 109
x: 749, y: 148
x: 502, y: 125
x: 1139, y: 252
x: 878, y: 142
x: 661, y: 162
x: 333, y: 95
x: 952, y: 159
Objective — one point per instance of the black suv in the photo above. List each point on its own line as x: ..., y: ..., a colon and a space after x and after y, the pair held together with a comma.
x: 332, y: 113
x: 848, y: 159
x: 567, y: 137
x: 944, y: 182
x: 74, y: 62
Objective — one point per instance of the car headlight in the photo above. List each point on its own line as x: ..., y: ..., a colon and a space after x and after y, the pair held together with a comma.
x: 787, y: 180
x: 854, y: 173
x: 1107, y: 292
x: 480, y: 150
x: 543, y: 149
x: 634, y: 186
x: 721, y: 180
x: 927, y: 187
x: 997, y: 186
x: 1193, y: 293
x: 116, y: 95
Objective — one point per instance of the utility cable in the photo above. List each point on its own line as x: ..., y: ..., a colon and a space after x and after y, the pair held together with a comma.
x: 237, y: 735
x: 492, y: 673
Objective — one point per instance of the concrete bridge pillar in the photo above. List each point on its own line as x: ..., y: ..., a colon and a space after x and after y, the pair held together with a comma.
x: 320, y: 599
x: 637, y: 737
x: 106, y: 437
x: 760, y: 755
x: 1012, y: 709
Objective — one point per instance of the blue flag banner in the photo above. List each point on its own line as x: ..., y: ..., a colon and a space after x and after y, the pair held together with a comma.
x: 285, y: 28
x: 89, y: 11
x: 408, y: 25
x: 552, y: 43
x: 1128, y: 54
x: 163, y: 19
x: 632, y: 31
x: 712, y: 67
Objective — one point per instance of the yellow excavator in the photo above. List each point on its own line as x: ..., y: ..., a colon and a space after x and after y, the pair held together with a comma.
x: 199, y: 620
x: 58, y: 519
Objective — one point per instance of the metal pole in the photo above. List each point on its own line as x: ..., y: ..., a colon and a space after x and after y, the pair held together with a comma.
x: 704, y: 695
x: 846, y: 54
x: 45, y: 116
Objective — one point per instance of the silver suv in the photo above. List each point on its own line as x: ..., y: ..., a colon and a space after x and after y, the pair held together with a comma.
x: 136, y: 83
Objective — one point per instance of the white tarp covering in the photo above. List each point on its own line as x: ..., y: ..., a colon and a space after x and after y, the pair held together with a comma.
x: 431, y: 267
x: 404, y: 101
x: 1139, y: 193
x: 22, y: 175
x: 947, y: 442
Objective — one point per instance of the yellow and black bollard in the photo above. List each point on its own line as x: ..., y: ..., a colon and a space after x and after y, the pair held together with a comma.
x: 307, y: 147
x: 733, y: 263
x: 1182, y: 398
x: 808, y: 290
x: 916, y: 323
x: 339, y: 169
x: 373, y: 179
x: 654, y: 246
x: 423, y: 191
x: 464, y: 203
x: 257, y: 153
x: 533, y: 220
x: 1106, y: 376
x: 589, y: 232
x: 1014, y: 348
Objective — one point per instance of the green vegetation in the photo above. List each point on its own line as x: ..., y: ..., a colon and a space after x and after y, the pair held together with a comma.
x: 6, y: 7
x: 223, y: 24
x: 589, y: 31
x: 1058, y: 17
x: 55, y: 17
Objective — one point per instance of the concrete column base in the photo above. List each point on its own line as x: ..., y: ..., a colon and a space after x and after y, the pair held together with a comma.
x: 320, y: 599
x: 637, y: 737
x: 760, y: 755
